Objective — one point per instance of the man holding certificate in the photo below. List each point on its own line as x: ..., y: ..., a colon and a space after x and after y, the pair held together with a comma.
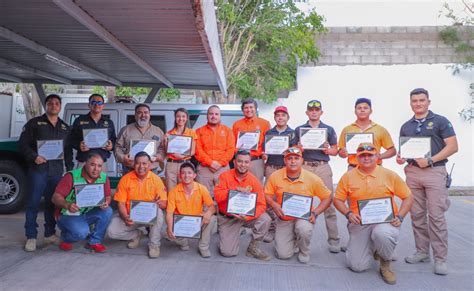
x: 427, y: 178
x: 319, y: 141
x: 374, y: 221
x: 239, y: 196
x: 187, y: 200
x: 83, y: 198
x: 139, y: 136
x: 249, y: 134
x: 43, y: 143
x: 141, y: 196
x: 290, y: 192
x: 364, y: 130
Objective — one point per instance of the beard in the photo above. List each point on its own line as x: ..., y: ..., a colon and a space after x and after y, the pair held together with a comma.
x: 142, y: 123
x: 241, y: 172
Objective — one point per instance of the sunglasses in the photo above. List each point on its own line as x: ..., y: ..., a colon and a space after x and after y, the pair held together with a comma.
x: 243, y: 152
x: 293, y: 151
x: 365, y: 148
x: 314, y: 103
x: 98, y: 103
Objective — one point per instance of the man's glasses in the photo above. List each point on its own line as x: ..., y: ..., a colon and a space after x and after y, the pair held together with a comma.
x: 314, y: 103
x: 365, y: 148
x: 98, y: 103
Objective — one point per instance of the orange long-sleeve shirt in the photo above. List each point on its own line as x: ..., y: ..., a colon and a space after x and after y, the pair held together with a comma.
x: 214, y: 145
x: 251, y: 125
x: 228, y: 181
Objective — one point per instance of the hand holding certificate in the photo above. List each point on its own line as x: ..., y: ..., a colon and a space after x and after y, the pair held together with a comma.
x: 313, y: 138
x: 415, y: 147
x: 378, y: 210
x: 179, y: 144
x: 276, y: 144
x: 241, y: 203
x: 51, y: 149
x: 296, y: 205
x: 248, y: 140
x: 148, y: 146
x: 89, y: 195
x: 353, y: 140
x: 187, y: 226
x: 96, y: 138
x: 143, y: 212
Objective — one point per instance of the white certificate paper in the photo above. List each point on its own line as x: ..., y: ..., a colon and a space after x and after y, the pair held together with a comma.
x: 296, y: 205
x: 188, y: 226
x: 95, y: 138
x: 89, y: 195
x: 415, y: 147
x: 313, y: 138
x: 353, y: 140
x: 143, y: 145
x: 51, y: 149
x: 241, y: 203
x: 378, y: 210
x: 143, y: 212
x: 179, y: 144
x: 276, y: 144
x: 248, y: 140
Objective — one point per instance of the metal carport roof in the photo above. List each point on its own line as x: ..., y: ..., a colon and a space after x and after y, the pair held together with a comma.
x: 154, y: 43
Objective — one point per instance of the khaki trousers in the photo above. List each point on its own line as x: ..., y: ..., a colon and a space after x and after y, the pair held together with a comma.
x: 268, y: 172
x: 325, y: 173
x: 290, y: 234
x: 229, y: 232
x: 172, y: 175
x: 431, y: 201
x: 118, y: 230
x: 257, y: 169
x: 208, y: 178
x: 205, y: 239
x: 364, y: 240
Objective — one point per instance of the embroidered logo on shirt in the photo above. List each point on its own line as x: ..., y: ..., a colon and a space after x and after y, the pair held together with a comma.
x: 83, y: 122
x: 42, y: 123
x: 429, y: 125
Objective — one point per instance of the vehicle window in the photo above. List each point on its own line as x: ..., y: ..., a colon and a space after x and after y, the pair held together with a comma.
x: 192, y: 120
x: 157, y: 120
x: 75, y: 115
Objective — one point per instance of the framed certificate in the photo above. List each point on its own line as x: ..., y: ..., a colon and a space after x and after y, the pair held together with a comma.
x: 276, y: 144
x: 415, y: 147
x: 51, y: 149
x: 179, y: 144
x: 142, y: 145
x: 187, y: 226
x: 296, y: 205
x: 241, y: 203
x: 89, y: 195
x: 313, y: 138
x: 95, y: 138
x: 378, y: 210
x: 143, y: 212
x: 353, y: 140
x: 248, y: 140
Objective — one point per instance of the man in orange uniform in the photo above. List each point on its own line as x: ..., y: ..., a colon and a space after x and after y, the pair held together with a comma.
x: 215, y: 146
x: 367, y: 241
x: 229, y: 225
x: 252, y: 123
x: 291, y: 232
x: 189, y: 198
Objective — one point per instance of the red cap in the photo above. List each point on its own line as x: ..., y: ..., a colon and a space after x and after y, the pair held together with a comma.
x: 281, y: 109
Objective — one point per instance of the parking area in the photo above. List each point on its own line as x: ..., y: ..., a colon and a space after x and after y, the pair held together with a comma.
x: 120, y: 268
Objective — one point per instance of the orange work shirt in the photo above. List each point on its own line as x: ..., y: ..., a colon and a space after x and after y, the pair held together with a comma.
x: 179, y: 203
x: 187, y: 132
x: 355, y: 185
x: 251, y: 125
x: 130, y: 187
x: 382, y: 138
x: 228, y: 181
x: 216, y: 144
x: 308, y: 184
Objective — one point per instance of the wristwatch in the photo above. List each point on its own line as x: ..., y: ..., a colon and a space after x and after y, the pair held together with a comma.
x: 400, y: 218
x: 348, y: 213
x: 315, y: 215
x: 430, y: 162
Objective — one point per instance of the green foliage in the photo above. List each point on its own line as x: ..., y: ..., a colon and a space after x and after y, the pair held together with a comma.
x: 168, y: 94
x: 123, y: 91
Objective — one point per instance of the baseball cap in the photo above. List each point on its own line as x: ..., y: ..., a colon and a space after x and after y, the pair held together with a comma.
x: 294, y: 150
x: 281, y: 109
x: 363, y: 100
x: 366, y: 148
x: 314, y: 103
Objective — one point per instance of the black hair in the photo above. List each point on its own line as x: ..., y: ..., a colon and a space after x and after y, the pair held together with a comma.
x: 249, y: 101
x: 94, y: 155
x: 187, y: 165
x: 52, y: 96
x: 181, y: 109
x: 242, y: 153
x: 141, y: 154
x: 418, y: 91
x: 140, y: 105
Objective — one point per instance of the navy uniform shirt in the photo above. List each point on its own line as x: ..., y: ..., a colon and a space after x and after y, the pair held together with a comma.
x: 86, y: 122
x: 40, y: 128
x: 433, y: 125
x: 317, y: 155
x: 277, y: 160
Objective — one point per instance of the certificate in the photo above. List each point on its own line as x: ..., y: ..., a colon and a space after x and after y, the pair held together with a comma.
x: 276, y: 144
x: 248, y: 140
x: 179, y: 144
x: 415, y: 147
x: 378, y: 210
x: 188, y: 226
x: 51, y: 149
x: 89, y: 195
x: 296, y: 205
x: 142, y: 145
x: 144, y: 212
x: 241, y: 203
x: 313, y: 138
x: 353, y: 140
x: 95, y: 138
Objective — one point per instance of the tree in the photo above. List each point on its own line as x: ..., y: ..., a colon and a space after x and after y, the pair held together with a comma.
x: 263, y: 43
x: 31, y: 100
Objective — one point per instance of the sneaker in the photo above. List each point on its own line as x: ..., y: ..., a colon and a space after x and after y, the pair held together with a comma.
x: 98, y: 248
x: 417, y: 258
x: 134, y: 243
x: 302, y: 258
x: 53, y: 239
x: 334, y: 249
x: 153, y: 251
x: 184, y: 248
x: 386, y: 272
x: 30, y: 245
x: 205, y: 253
x: 440, y: 268
x: 254, y: 251
x: 66, y: 246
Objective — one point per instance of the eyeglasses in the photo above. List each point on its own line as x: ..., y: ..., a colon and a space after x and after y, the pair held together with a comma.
x: 98, y: 103
x: 365, y: 148
x: 314, y: 103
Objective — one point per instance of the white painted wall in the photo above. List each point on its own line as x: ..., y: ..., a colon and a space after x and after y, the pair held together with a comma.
x: 337, y: 87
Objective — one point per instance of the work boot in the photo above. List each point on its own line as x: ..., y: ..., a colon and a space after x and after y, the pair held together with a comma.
x: 53, y: 239
x: 134, y: 243
x: 334, y: 248
x: 254, y: 251
x: 440, y: 268
x: 153, y: 251
x: 30, y: 245
x: 205, y: 253
x: 417, y: 258
x: 386, y: 271
x: 269, y: 237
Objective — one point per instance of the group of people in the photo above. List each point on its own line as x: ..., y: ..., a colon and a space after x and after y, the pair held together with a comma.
x: 203, y: 190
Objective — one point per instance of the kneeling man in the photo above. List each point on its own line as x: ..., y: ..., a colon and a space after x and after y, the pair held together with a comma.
x: 368, y: 186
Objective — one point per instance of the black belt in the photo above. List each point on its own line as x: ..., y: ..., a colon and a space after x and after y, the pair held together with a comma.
x: 437, y: 164
x: 255, y: 158
x: 175, y: 161
x: 314, y: 163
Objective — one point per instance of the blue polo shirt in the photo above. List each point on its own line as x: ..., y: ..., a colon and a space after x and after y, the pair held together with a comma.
x: 277, y: 160
x: 317, y: 155
x: 433, y: 125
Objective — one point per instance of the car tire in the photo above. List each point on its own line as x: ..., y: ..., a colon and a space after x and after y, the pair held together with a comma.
x: 12, y: 187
